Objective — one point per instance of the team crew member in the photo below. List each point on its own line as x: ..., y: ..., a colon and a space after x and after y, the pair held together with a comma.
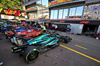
x: 44, y: 28
x: 47, y: 27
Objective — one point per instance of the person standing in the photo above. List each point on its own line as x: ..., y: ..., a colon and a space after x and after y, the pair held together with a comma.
x: 68, y: 28
x: 41, y: 25
x: 56, y: 27
x: 53, y: 26
x: 21, y: 23
x: 44, y: 28
x: 88, y: 31
x: 47, y: 27
x: 32, y: 25
x: 35, y: 24
x: 24, y: 22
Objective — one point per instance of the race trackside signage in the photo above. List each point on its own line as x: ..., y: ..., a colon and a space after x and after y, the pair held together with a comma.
x: 10, y: 12
x: 58, y: 1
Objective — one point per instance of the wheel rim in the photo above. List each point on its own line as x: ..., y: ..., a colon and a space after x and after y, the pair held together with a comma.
x: 32, y: 56
x: 63, y: 41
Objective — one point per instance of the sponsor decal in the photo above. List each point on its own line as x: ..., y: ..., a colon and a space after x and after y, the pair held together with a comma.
x: 84, y: 22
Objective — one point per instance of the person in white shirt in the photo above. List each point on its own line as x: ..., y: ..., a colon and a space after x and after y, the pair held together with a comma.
x: 41, y: 25
x: 35, y: 24
x: 56, y: 27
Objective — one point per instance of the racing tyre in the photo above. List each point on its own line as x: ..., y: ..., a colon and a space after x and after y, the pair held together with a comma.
x: 67, y: 39
x: 31, y: 54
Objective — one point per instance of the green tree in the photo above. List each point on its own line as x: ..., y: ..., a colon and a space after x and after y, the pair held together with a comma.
x: 11, y: 4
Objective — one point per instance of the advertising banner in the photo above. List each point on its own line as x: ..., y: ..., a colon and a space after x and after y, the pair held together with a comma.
x: 6, y: 17
x: 29, y: 9
x: 58, y: 1
x: 9, y: 12
x: 92, y: 11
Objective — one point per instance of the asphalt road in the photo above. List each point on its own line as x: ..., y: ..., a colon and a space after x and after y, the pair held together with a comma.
x: 81, y: 51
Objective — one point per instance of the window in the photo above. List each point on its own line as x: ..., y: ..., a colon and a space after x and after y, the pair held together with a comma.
x: 45, y: 3
x: 32, y: 15
x: 60, y: 13
x: 39, y: 5
x: 23, y: 2
x: 39, y: 2
x: 72, y: 12
x: 42, y: 4
x: 55, y: 14
x: 65, y: 14
x: 76, y: 12
x: 46, y: 14
x: 51, y: 16
x: 79, y: 11
x: 39, y: 14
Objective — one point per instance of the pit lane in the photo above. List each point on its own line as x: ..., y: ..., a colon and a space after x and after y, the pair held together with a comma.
x: 58, y: 56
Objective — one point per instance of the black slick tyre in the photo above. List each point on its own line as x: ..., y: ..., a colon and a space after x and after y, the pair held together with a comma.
x: 67, y: 39
x: 30, y: 54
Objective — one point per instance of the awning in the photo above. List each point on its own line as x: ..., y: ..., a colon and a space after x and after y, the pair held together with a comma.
x: 13, y: 20
x: 91, y: 22
x: 63, y: 21
x: 22, y: 19
x: 32, y: 20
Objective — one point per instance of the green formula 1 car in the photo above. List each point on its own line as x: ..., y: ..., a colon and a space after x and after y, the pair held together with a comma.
x: 34, y: 47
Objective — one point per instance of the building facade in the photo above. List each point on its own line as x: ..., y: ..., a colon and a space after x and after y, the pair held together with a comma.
x: 80, y: 14
x: 36, y: 9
